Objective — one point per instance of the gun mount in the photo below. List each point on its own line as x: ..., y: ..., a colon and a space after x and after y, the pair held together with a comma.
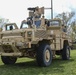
x: 32, y: 9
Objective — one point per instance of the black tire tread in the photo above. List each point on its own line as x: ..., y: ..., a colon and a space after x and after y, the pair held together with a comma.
x: 6, y: 60
x: 40, y: 51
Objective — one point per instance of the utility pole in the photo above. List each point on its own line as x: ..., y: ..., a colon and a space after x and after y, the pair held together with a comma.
x: 51, y: 9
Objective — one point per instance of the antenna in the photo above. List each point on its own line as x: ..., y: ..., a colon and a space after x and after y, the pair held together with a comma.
x: 51, y: 9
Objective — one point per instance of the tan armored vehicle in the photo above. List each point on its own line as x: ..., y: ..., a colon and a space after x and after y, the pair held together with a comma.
x: 37, y: 37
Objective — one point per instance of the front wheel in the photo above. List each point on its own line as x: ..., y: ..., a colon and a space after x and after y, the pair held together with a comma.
x: 8, y: 60
x: 44, y: 55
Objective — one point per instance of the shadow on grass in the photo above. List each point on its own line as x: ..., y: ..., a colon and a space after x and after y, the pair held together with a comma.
x: 26, y: 68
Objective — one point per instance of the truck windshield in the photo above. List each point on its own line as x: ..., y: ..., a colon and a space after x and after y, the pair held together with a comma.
x: 54, y: 23
x: 10, y: 27
x: 24, y: 25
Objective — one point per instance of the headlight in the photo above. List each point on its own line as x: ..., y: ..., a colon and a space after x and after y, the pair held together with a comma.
x: 29, y: 32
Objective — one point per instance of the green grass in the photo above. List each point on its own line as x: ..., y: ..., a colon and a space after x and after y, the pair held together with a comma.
x: 25, y: 66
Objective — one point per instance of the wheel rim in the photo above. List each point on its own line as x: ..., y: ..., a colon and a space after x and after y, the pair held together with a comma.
x: 67, y: 51
x: 47, y: 55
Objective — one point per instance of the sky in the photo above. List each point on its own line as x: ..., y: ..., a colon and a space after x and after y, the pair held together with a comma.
x: 16, y: 10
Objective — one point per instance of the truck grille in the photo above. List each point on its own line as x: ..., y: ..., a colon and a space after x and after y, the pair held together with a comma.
x: 7, y: 48
x: 41, y: 34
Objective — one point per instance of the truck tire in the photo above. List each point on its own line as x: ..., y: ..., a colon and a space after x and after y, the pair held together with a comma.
x: 66, y: 53
x: 44, y: 55
x: 8, y: 60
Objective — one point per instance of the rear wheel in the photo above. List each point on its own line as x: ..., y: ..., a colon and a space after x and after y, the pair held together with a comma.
x: 66, y: 53
x: 8, y: 60
x: 44, y: 55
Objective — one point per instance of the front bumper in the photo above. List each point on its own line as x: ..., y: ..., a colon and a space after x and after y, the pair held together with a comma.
x: 10, y: 54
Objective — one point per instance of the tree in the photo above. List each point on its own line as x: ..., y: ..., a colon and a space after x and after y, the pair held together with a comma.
x: 73, y: 26
x: 3, y: 21
x: 65, y: 17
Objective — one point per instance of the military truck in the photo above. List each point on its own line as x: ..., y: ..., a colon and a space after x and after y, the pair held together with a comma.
x: 37, y: 37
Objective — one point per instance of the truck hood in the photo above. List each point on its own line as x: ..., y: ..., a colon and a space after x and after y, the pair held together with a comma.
x: 17, y: 35
x: 15, y: 31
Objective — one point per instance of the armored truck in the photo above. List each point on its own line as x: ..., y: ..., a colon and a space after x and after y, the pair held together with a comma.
x: 37, y: 37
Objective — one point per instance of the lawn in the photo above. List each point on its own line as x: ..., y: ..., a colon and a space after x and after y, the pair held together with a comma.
x: 25, y: 66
